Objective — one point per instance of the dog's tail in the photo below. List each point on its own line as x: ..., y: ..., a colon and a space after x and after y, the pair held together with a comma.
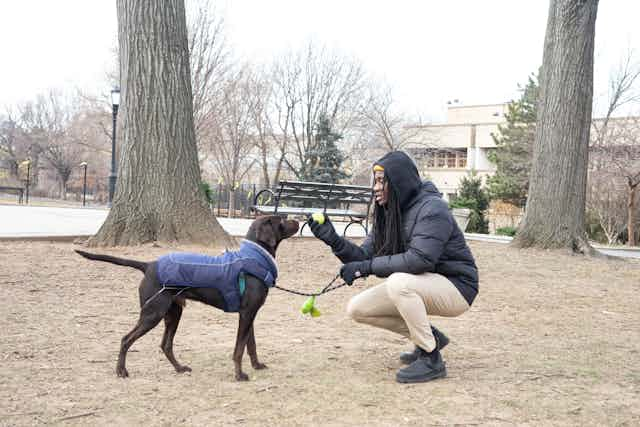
x: 142, y: 266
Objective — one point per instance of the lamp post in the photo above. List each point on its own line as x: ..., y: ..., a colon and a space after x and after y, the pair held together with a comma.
x: 28, y: 173
x: 115, y: 102
x: 84, y: 184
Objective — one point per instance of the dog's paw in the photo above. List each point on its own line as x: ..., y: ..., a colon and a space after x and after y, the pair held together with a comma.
x: 242, y: 377
x: 183, y: 368
x: 259, y: 366
x: 122, y: 372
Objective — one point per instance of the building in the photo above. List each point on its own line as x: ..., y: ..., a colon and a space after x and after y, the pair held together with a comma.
x: 447, y: 152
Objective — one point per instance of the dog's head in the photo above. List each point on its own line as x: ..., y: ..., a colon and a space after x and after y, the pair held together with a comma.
x: 269, y: 231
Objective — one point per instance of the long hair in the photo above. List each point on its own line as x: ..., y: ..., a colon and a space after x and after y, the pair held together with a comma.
x: 388, y: 237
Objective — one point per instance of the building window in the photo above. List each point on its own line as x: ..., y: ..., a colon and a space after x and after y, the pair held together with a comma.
x: 462, y: 159
x: 441, y: 158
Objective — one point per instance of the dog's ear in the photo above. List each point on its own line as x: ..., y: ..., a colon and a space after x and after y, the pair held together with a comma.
x: 266, y: 235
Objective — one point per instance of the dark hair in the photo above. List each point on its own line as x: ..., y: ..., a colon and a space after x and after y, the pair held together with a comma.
x: 388, y: 237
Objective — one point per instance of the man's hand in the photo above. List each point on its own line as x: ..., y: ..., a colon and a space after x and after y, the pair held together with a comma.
x: 324, y: 231
x: 355, y: 270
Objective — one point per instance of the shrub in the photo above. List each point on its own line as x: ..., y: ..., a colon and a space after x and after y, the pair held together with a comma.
x: 506, y: 231
x: 206, y: 189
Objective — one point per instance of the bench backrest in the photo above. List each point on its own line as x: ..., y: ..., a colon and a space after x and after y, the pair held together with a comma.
x: 324, y: 193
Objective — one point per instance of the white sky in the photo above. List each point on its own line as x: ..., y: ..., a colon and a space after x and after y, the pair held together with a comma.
x: 431, y: 51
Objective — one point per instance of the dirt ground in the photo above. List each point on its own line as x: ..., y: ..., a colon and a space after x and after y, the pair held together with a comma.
x: 553, y: 339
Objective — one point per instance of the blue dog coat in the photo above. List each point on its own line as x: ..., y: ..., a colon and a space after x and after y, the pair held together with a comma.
x: 221, y: 272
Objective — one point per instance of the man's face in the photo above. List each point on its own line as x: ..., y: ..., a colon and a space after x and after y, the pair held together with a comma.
x: 380, y: 188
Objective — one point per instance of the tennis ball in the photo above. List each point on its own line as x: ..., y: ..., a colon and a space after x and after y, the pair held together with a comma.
x: 318, y: 217
x: 308, y: 305
x: 315, y: 312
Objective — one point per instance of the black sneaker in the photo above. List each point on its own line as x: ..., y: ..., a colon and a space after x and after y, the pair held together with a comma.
x: 441, y: 342
x: 427, y: 367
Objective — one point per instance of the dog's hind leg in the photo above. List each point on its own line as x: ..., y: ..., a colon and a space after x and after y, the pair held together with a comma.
x: 150, y: 316
x: 251, y: 349
x: 171, y: 320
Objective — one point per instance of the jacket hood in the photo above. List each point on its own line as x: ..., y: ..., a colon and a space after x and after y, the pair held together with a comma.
x: 429, y: 187
x: 402, y: 175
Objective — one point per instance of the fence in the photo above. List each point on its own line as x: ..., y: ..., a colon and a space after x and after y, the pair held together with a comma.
x: 241, y: 200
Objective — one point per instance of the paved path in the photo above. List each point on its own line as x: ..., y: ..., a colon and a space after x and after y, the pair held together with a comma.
x: 42, y: 222
x: 34, y: 222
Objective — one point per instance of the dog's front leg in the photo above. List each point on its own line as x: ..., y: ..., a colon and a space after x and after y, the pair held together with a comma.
x: 251, y: 349
x: 244, y: 327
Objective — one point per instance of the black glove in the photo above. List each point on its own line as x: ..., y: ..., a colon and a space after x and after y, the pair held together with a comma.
x: 355, y: 270
x: 325, y: 231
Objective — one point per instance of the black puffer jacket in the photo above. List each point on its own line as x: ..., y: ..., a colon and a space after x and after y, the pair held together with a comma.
x: 433, y: 239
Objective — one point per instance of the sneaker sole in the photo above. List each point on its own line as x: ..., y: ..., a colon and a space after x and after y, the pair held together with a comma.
x: 434, y: 376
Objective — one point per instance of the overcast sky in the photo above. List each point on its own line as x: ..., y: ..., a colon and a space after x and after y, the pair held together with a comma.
x: 430, y: 51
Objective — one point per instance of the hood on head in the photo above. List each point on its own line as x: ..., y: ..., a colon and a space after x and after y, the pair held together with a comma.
x: 429, y: 187
x: 403, y: 175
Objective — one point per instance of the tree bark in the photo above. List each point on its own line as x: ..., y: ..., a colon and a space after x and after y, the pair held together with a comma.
x: 158, y: 197
x: 555, y: 213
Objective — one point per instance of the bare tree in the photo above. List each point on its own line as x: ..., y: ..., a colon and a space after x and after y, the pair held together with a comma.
x: 623, y: 90
x: 605, y: 198
x: 232, y: 139
x: 269, y: 144
x: 392, y: 129
x: 555, y: 214
x: 624, y: 156
x: 9, y: 135
x: 158, y: 195
x: 616, y: 148
x: 45, y: 125
x: 311, y: 83
x: 210, y: 61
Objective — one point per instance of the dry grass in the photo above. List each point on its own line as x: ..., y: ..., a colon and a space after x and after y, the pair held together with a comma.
x: 551, y: 340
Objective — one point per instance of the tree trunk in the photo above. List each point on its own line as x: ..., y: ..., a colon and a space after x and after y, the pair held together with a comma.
x: 631, y: 222
x: 157, y: 197
x: 555, y: 212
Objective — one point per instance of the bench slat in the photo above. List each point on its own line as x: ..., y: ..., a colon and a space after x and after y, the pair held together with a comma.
x: 308, y: 211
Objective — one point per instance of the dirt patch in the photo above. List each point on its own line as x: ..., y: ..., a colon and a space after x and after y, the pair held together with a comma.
x: 551, y: 340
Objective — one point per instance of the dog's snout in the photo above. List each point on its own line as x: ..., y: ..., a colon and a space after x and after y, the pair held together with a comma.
x: 293, y: 225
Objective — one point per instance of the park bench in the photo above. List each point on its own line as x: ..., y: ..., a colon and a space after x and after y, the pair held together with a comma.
x: 311, y: 194
x: 300, y: 198
x: 19, y: 191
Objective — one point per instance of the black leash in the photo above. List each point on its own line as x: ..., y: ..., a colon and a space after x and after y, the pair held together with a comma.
x: 326, y: 289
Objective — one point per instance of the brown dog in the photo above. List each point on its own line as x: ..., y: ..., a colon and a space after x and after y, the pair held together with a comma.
x: 157, y: 301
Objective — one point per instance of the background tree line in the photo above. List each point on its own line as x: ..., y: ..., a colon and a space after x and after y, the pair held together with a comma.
x: 302, y: 114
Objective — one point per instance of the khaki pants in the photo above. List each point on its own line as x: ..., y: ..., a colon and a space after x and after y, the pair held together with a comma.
x: 403, y: 302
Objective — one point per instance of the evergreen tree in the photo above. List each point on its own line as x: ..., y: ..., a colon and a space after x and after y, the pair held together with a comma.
x: 325, y: 160
x: 472, y: 196
x: 514, y: 148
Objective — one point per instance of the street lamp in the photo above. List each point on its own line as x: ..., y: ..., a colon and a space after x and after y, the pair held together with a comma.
x: 115, y: 102
x: 28, y: 161
x: 84, y: 184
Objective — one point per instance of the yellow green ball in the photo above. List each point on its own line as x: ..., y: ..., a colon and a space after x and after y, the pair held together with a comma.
x: 318, y: 217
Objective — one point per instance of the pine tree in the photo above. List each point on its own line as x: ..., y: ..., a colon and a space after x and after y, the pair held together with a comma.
x: 514, y: 148
x: 325, y: 160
